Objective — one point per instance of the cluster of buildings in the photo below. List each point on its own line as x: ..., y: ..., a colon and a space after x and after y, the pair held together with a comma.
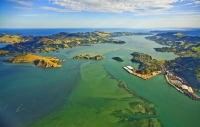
x: 177, y: 82
x: 129, y: 69
x: 179, y: 85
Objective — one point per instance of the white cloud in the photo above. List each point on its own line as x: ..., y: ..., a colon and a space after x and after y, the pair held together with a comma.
x: 116, y: 6
x: 194, y: 3
x: 53, y: 9
x: 197, y: 2
x: 22, y: 2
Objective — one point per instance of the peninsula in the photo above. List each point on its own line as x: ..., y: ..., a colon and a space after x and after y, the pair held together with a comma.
x: 180, y: 44
x: 13, y: 38
x: 133, y: 71
x: 55, y: 42
x: 180, y: 85
x: 149, y: 67
x: 46, y: 62
x: 188, y: 48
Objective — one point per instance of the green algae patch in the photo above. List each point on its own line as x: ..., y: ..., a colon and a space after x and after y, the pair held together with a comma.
x: 103, y: 101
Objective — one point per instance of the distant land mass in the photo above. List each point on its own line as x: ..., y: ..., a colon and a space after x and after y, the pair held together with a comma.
x: 188, y: 48
x: 22, y: 46
x: 186, y: 31
x: 42, y: 44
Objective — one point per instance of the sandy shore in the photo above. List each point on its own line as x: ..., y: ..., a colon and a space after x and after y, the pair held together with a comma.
x: 147, y: 76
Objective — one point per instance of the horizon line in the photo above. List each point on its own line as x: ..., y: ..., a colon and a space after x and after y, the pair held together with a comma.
x: 98, y: 28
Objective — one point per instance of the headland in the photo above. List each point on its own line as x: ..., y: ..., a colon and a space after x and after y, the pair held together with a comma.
x: 39, y: 61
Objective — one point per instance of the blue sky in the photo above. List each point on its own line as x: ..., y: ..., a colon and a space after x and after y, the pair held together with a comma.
x: 99, y: 13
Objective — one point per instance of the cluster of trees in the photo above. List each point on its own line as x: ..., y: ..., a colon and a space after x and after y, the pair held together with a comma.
x: 147, y: 65
x: 186, y: 67
x: 188, y: 48
x: 180, y: 44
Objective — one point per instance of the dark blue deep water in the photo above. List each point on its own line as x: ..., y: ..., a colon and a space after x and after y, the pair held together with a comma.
x: 50, y: 31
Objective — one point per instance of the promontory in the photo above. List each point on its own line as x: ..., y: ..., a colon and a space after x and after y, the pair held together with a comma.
x: 40, y: 61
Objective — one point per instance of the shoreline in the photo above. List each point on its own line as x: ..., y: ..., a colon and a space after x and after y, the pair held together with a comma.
x: 145, y: 76
x: 181, y: 87
x: 175, y: 81
x: 142, y: 76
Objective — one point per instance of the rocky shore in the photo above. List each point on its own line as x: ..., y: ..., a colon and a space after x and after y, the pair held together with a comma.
x: 143, y: 76
x: 146, y: 76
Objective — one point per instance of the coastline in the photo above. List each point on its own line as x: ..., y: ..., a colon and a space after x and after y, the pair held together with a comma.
x: 154, y: 95
x: 142, y: 76
x: 176, y: 82
x: 146, y: 76
x: 179, y: 85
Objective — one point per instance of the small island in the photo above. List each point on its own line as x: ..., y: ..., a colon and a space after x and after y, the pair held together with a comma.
x: 39, y: 61
x: 87, y: 56
x: 118, y: 59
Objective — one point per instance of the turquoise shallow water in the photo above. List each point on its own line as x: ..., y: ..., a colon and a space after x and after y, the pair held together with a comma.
x: 173, y: 108
x: 37, y: 92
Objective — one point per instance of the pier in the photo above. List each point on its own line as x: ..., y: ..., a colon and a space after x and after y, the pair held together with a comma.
x: 178, y: 83
x: 132, y: 71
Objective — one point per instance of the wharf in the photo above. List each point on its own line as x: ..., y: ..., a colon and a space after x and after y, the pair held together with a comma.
x: 178, y: 84
x: 143, y: 76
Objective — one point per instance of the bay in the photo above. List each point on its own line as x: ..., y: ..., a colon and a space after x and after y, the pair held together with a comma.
x: 39, y: 93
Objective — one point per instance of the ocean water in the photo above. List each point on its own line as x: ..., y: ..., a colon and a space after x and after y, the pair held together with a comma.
x: 3, y: 45
x: 32, y: 95
x: 50, y: 31
x: 34, y: 91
